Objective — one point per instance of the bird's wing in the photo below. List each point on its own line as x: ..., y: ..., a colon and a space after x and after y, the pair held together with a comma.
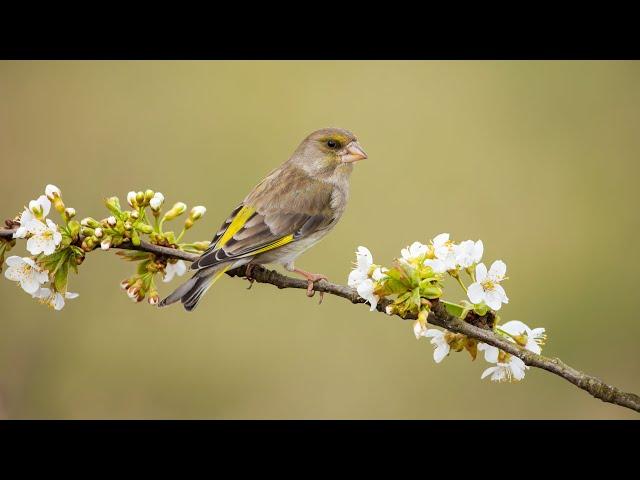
x: 286, y: 207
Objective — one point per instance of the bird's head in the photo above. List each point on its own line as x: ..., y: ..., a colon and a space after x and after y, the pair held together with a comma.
x: 329, y: 152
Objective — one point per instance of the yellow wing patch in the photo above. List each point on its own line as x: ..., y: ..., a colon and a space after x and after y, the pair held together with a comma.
x: 238, y: 222
x: 278, y: 243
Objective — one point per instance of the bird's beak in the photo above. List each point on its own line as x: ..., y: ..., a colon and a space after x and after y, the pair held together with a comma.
x: 354, y: 153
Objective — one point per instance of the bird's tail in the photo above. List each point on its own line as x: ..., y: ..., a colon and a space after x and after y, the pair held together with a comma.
x: 192, y: 290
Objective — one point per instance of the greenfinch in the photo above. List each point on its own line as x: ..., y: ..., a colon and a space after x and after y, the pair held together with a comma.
x: 289, y: 211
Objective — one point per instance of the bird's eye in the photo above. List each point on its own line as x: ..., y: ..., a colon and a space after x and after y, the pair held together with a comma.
x: 332, y: 144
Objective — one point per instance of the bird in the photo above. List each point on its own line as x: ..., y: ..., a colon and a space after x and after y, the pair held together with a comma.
x: 288, y: 212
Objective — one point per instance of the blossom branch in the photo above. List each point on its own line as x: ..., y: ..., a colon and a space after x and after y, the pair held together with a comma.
x: 438, y: 316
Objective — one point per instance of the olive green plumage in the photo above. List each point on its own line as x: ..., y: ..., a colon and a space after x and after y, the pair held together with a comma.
x: 289, y: 211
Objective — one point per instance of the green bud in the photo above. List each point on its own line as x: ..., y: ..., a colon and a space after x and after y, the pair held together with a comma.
x: 144, y: 228
x: 178, y: 209
x: 89, y: 222
x: 135, y: 238
x: 69, y: 213
x: 202, y: 246
x: 74, y: 228
x: 140, y: 198
x: 148, y: 195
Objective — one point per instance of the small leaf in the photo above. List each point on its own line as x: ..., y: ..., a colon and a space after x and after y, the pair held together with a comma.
x: 60, y: 279
x: 453, y: 308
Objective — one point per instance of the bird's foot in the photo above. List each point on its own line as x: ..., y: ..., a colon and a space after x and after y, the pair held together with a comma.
x: 247, y: 274
x: 311, y: 279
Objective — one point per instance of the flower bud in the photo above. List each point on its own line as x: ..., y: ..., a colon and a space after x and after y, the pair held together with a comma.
x: 202, y: 246
x: 69, y: 213
x: 131, y: 199
x: 140, y: 198
x: 111, y: 221
x: 134, y: 214
x: 178, y: 209
x: 98, y: 232
x: 197, y: 212
x: 135, y: 238
x: 127, y: 226
x: 89, y: 222
x: 148, y: 195
x: 106, y: 243
x: 156, y: 202
x: 125, y: 284
x: 87, y: 231
x: 144, y: 228
x: 51, y: 191
x: 153, y: 298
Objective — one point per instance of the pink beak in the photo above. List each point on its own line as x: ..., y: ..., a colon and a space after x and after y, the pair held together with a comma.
x: 354, y: 153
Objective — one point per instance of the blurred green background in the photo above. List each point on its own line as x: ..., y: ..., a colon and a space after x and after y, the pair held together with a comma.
x: 539, y: 159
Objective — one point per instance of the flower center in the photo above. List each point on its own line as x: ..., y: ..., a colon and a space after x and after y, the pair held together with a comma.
x: 488, y: 285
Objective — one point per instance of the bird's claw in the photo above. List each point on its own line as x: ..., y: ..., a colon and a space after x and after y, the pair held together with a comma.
x: 310, y: 284
x: 247, y: 275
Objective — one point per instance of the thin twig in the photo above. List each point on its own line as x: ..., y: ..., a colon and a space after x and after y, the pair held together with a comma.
x: 438, y: 316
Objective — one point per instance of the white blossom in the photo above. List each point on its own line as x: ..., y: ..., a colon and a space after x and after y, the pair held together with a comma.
x: 51, y: 191
x: 25, y: 218
x: 111, y: 221
x: 487, y: 286
x: 439, y: 340
x: 532, y: 338
x: 157, y: 201
x: 512, y: 369
x: 45, y: 237
x: 413, y: 252
x: 359, y: 277
x: 55, y: 300
x: 179, y: 268
x: 468, y: 253
x: 444, y: 252
x: 37, y: 209
x: 131, y: 199
x: 198, y: 211
x: 105, y: 244
x: 40, y: 207
x: 27, y: 272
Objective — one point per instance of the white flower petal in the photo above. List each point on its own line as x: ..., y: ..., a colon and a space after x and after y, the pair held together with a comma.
x: 493, y: 299
x: 478, y: 250
x: 476, y: 293
x: 29, y: 284
x: 515, y: 327
x: 437, y: 265
x: 490, y: 352
x: 14, y: 261
x: 488, y: 371
x: 180, y: 268
x: 441, y: 351
x: 433, y: 332
x: 440, y: 239
x: 364, y: 258
x: 481, y: 272
x: 498, y: 270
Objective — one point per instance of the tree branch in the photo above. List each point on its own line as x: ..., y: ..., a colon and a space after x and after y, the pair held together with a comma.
x: 438, y: 316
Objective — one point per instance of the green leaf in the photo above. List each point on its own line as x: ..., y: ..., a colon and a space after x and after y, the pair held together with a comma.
x: 60, y: 279
x: 454, y: 309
